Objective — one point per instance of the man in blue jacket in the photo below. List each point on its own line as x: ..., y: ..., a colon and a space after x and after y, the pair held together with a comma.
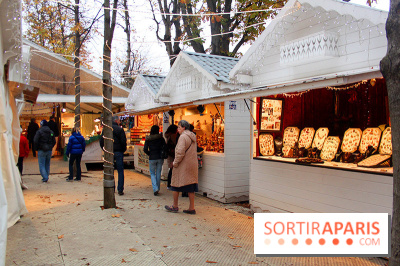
x: 119, y: 147
x: 75, y: 148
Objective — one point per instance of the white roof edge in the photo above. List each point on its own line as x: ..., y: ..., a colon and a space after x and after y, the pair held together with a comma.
x: 341, y: 7
x: 82, y: 68
x: 148, y: 86
x: 198, y: 67
x: 364, y: 73
x: 162, y: 88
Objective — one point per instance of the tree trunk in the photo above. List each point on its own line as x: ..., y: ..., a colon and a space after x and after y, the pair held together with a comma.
x: 390, y: 66
x: 215, y: 26
x: 127, y: 75
x: 77, y: 64
x: 192, y: 30
x: 108, y: 165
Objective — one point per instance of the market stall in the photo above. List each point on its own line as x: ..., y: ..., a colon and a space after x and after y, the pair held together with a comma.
x: 322, y: 142
x: 221, y: 127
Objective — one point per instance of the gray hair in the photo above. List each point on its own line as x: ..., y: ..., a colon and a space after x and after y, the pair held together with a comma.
x: 115, y: 118
x: 184, y: 123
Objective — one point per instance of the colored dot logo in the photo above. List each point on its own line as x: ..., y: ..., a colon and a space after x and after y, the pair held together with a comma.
x: 267, y: 241
x: 321, y: 241
x: 349, y: 241
x: 335, y: 241
x: 295, y: 241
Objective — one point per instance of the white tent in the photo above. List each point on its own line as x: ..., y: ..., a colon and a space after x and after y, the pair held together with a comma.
x: 12, y: 203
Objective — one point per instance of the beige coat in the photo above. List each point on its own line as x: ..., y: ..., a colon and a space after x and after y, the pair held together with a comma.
x: 185, y: 171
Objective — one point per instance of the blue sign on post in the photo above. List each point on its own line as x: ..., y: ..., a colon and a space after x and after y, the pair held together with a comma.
x: 232, y: 105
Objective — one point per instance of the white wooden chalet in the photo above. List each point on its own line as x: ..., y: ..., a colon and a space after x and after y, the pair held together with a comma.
x: 196, y: 79
x: 143, y: 92
x: 313, y: 44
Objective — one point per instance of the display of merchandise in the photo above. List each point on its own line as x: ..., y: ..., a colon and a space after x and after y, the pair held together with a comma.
x: 351, y: 140
x: 320, y: 137
x: 330, y: 148
x: 266, y: 144
x: 138, y: 135
x: 370, y: 137
x: 306, y: 137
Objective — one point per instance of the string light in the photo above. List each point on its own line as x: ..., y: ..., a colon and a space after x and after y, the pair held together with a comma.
x: 292, y: 95
x: 205, y: 14
x: 348, y: 87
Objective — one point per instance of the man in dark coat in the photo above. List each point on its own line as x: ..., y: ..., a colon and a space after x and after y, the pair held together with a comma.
x: 119, y: 147
x: 54, y: 127
x: 32, y: 129
x: 44, y: 142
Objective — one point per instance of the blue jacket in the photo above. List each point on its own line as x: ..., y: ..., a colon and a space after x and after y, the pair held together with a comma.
x: 76, y: 144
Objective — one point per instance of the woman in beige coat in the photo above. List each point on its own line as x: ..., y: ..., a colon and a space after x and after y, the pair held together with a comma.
x: 185, y: 171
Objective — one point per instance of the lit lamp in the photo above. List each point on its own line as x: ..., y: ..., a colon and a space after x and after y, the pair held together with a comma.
x: 63, y: 110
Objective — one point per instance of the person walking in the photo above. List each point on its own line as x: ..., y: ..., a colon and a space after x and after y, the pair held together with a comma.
x: 23, y: 152
x: 33, y: 127
x: 44, y: 142
x: 155, y: 148
x: 54, y: 127
x: 171, y: 136
x: 119, y: 146
x: 75, y: 149
x: 185, y: 172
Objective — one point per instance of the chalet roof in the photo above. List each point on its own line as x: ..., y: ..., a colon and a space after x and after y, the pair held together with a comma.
x: 294, y: 8
x: 154, y: 82
x: 218, y: 66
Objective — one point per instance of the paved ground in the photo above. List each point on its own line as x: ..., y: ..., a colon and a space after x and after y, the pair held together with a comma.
x: 67, y: 226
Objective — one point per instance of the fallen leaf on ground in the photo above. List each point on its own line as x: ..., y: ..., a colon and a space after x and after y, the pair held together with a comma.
x: 155, y: 220
x: 209, y: 261
x: 133, y: 250
x: 116, y: 215
x: 195, y: 228
x: 61, y: 236
x: 123, y: 261
x: 237, y: 246
x: 218, y: 230
x: 231, y: 237
x: 253, y: 262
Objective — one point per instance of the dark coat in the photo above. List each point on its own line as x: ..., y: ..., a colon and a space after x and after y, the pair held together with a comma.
x: 119, y: 138
x: 32, y: 129
x: 76, y: 144
x: 53, y: 126
x: 44, y: 139
x: 154, y: 146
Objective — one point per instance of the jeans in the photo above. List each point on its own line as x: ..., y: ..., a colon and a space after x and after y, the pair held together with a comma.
x: 119, y: 162
x: 20, y: 164
x: 75, y: 158
x: 155, y: 173
x: 44, y: 164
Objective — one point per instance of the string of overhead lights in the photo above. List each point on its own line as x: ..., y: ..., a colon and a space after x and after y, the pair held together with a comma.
x: 204, y: 14
x: 348, y: 87
x: 292, y: 95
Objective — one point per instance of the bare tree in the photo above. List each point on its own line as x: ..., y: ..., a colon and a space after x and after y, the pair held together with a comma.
x: 227, y: 30
x: 390, y: 66
x: 169, y: 22
x: 109, y: 27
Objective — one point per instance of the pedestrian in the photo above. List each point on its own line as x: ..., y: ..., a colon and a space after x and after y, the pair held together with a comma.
x: 119, y: 145
x: 33, y: 127
x: 171, y: 135
x: 44, y: 142
x: 155, y: 148
x: 54, y: 127
x: 185, y: 172
x: 23, y: 152
x: 75, y: 148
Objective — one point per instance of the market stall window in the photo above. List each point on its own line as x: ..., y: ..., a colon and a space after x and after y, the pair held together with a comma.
x: 337, y: 127
x: 208, y: 123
